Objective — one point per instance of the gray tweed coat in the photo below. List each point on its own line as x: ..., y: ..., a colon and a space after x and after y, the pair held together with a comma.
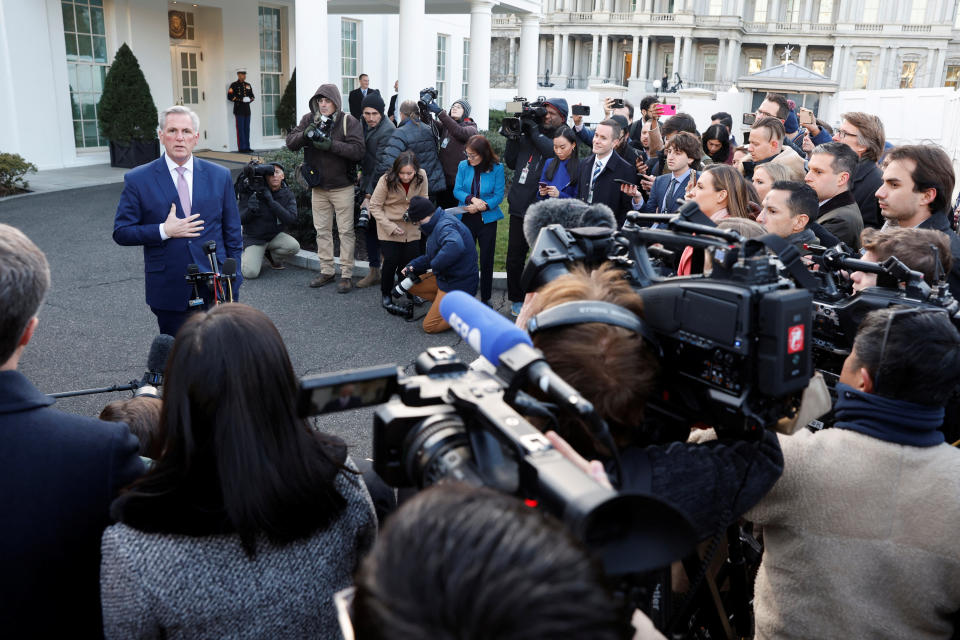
x: 177, y: 586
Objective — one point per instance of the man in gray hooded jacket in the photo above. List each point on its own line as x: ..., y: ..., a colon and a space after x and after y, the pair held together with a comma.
x: 333, y: 145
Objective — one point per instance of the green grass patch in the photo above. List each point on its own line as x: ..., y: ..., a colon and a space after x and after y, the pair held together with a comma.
x: 503, y: 234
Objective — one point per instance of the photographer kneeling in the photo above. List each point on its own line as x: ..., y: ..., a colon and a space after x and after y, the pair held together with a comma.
x: 266, y: 206
x: 451, y: 254
x: 860, y: 531
x: 616, y: 370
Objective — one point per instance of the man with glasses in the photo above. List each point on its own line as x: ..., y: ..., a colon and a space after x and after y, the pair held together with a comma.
x: 860, y: 530
x: 863, y: 133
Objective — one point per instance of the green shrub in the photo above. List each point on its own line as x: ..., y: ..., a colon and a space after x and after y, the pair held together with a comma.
x: 287, y: 109
x: 126, y: 111
x: 12, y: 169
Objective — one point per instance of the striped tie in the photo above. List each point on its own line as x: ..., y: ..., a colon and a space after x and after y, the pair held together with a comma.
x: 596, y: 172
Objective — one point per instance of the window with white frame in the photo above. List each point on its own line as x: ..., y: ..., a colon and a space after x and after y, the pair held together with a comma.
x: 85, y: 37
x: 918, y: 12
x: 710, y: 67
x: 760, y: 11
x: 271, y: 71
x: 871, y: 10
x: 862, y: 76
x: 908, y: 72
x: 349, y: 39
x: 793, y: 11
x: 441, y: 85
x: 826, y: 11
x: 465, y: 83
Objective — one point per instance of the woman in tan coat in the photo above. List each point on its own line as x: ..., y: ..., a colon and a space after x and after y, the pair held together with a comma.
x: 399, y: 240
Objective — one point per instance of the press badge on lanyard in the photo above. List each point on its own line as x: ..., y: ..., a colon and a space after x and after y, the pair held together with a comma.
x: 523, y: 174
x: 446, y: 141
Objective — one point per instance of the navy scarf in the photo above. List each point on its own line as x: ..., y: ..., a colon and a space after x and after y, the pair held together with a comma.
x: 896, y: 421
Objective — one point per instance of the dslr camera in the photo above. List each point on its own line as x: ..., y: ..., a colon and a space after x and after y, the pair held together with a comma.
x: 321, y: 130
x: 520, y: 109
x: 428, y: 95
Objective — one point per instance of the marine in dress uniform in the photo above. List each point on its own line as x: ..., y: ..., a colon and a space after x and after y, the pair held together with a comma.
x: 241, y: 95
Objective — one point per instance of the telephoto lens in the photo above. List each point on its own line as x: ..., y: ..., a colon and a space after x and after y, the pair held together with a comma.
x: 364, y: 220
x: 404, y: 286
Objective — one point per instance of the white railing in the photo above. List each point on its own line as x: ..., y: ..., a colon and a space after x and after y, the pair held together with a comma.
x: 503, y: 20
x: 622, y: 17
x: 817, y: 26
x: 916, y: 28
x: 862, y: 26
x: 585, y: 16
x: 663, y: 17
x: 755, y: 27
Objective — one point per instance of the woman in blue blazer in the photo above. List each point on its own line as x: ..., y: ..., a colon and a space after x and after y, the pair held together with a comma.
x: 479, y: 190
x: 559, y: 178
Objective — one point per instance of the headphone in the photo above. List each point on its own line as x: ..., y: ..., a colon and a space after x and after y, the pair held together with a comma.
x: 580, y: 312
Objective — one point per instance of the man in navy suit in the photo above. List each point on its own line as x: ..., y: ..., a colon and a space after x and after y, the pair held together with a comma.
x: 58, y: 475
x: 600, y: 172
x: 682, y: 153
x: 172, y: 207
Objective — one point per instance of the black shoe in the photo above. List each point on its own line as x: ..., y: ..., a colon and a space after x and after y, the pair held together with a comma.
x: 386, y: 302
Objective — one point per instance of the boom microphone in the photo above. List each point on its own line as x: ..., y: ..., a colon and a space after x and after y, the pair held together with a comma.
x: 156, y: 362
x: 567, y: 212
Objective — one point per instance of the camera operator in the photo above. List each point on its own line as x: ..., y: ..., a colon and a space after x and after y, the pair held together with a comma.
x: 421, y: 578
x: 614, y: 368
x: 454, y: 129
x: 918, y: 180
x: 333, y: 143
x: 451, y: 254
x: 526, y: 156
x: 376, y: 133
x: 413, y: 135
x: 266, y: 205
x: 913, y: 247
x: 860, y: 531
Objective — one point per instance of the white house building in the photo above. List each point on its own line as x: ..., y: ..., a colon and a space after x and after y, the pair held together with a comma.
x: 54, y: 54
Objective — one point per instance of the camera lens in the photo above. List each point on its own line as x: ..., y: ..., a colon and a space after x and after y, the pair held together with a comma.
x: 364, y: 220
x: 437, y: 448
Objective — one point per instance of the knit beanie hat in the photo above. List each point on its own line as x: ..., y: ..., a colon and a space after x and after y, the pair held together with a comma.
x: 466, y: 107
x: 374, y: 101
x: 419, y: 208
x: 560, y: 104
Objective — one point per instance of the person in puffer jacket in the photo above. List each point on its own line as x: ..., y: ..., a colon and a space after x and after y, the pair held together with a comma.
x: 414, y: 135
x: 451, y: 255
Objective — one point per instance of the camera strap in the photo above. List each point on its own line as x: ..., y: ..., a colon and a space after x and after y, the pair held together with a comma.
x: 790, y: 256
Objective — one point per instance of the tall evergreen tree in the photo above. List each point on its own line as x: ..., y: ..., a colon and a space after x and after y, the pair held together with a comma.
x: 287, y: 109
x: 126, y: 110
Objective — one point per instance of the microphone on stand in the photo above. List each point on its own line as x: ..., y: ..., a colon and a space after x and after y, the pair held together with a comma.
x: 156, y: 363
x: 210, y: 248
x: 193, y: 276
x: 230, y: 274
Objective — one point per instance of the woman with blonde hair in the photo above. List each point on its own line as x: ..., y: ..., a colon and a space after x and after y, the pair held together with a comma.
x: 770, y: 172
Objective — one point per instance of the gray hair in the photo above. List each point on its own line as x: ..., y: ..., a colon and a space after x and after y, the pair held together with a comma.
x: 409, y: 108
x: 24, y: 280
x: 178, y: 108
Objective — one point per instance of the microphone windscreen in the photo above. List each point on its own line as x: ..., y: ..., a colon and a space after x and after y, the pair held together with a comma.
x: 193, y: 269
x: 486, y: 331
x: 229, y: 267
x: 570, y: 213
x: 159, y: 352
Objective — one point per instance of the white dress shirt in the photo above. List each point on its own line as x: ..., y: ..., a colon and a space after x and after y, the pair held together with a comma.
x: 175, y: 175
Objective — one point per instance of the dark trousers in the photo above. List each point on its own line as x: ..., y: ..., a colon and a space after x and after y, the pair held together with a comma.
x: 517, y: 249
x: 485, y: 235
x: 396, y: 255
x: 169, y: 322
x: 243, y: 133
x: 373, y: 244
x: 446, y: 199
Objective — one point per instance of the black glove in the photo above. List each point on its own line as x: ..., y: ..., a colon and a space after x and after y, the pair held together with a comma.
x: 309, y: 130
x: 266, y: 194
x: 528, y: 126
x: 323, y: 145
x: 253, y: 203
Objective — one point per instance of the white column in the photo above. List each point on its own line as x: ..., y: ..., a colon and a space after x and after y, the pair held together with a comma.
x: 773, y: 11
x: 881, y: 76
x: 938, y: 72
x: 644, y: 58
x: 481, y: 20
x: 604, y: 71
x: 595, y: 57
x: 577, y: 57
x: 634, y: 62
x: 512, y: 71
x: 769, y: 61
x: 802, y: 59
x: 676, y: 59
x: 312, y: 63
x: 931, y: 64
x: 527, y: 75
x: 807, y: 12
x: 733, y: 60
x: 414, y: 42
x: 721, y: 75
x: 564, y: 74
x: 556, y: 69
x: 835, y: 62
x: 541, y: 56
x: 687, y: 57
